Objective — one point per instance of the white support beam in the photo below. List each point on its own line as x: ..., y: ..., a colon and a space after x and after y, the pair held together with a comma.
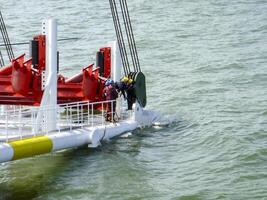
x: 51, y: 60
x: 49, y: 99
x: 116, y: 63
x: 116, y: 66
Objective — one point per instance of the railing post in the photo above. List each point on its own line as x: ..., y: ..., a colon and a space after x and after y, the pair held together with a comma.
x: 92, y: 115
x: 35, y: 123
x: 67, y: 117
x: 59, y: 118
x: 88, y: 112
x: 6, y: 127
x: 32, y: 125
x: 20, y: 123
x: 78, y: 113
x: 70, y: 118
x: 121, y: 109
x: 31, y: 122
x: 47, y: 121
x: 102, y: 113
x: 82, y: 124
x: 112, y: 110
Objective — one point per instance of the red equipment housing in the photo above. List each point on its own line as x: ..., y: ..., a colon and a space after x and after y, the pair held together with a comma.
x: 21, y: 81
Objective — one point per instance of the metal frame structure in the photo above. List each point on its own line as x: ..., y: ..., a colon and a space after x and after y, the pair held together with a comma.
x: 19, y: 122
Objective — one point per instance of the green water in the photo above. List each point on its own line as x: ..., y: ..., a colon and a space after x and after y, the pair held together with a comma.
x: 205, y: 62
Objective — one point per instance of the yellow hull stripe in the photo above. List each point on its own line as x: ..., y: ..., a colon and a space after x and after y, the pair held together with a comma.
x: 31, y: 147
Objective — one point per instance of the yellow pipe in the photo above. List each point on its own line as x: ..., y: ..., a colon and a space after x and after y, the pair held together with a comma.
x: 31, y: 147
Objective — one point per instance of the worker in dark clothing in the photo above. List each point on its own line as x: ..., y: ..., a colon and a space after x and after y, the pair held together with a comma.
x: 131, y: 97
x: 126, y: 86
x: 121, y: 87
x: 110, y: 94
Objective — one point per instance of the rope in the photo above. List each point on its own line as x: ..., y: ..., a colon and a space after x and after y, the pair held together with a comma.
x: 105, y: 130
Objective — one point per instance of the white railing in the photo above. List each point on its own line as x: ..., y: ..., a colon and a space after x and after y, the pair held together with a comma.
x: 20, y: 122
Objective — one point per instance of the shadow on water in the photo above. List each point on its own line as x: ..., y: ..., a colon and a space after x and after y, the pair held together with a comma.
x: 29, y: 178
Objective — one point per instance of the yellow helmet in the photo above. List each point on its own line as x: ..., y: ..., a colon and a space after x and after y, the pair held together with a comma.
x: 130, y: 81
x: 125, y: 79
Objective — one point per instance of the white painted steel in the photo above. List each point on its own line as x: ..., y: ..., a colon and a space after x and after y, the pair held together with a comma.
x: 20, y: 122
x: 51, y: 60
x: 44, y: 73
x: 70, y: 139
x: 116, y: 69
x: 111, y: 131
x: 50, y: 93
x: 116, y: 64
x: 6, y: 152
x: 92, y: 134
x: 2, y: 109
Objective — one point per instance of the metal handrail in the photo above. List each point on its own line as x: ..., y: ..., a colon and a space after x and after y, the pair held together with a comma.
x: 19, y: 122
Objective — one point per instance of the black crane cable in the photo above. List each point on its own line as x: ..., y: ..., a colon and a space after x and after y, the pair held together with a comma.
x: 122, y: 41
x: 6, y: 38
x: 129, y: 39
x: 129, y: 35
x: 131, y: 30
x: 120, y: 37
x: 2, y: 63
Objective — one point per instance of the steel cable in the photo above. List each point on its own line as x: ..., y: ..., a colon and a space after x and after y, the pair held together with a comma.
x: 120, y: 37
x: 6, y: 38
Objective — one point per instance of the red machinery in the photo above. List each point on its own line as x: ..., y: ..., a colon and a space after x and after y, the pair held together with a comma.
x: 21, y: 81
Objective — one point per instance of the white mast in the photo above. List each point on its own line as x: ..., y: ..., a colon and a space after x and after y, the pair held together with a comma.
x: 49, y: 99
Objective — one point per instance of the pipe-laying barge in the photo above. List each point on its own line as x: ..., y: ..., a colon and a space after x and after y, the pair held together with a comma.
x: 43, y: 111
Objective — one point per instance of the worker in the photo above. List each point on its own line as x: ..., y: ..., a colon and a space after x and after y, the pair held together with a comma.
x: 131, y: 97
x: 110, y: 94
x: 121, y: 87
x: 126, y: 85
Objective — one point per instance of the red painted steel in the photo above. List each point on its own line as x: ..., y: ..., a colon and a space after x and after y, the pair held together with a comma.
x: 20, y: 82
x: 107, y: 61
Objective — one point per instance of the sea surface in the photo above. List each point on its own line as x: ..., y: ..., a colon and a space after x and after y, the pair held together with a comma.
x: 206, y: 67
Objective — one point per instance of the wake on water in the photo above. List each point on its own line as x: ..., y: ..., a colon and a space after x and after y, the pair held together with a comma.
x: 158, y: 120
